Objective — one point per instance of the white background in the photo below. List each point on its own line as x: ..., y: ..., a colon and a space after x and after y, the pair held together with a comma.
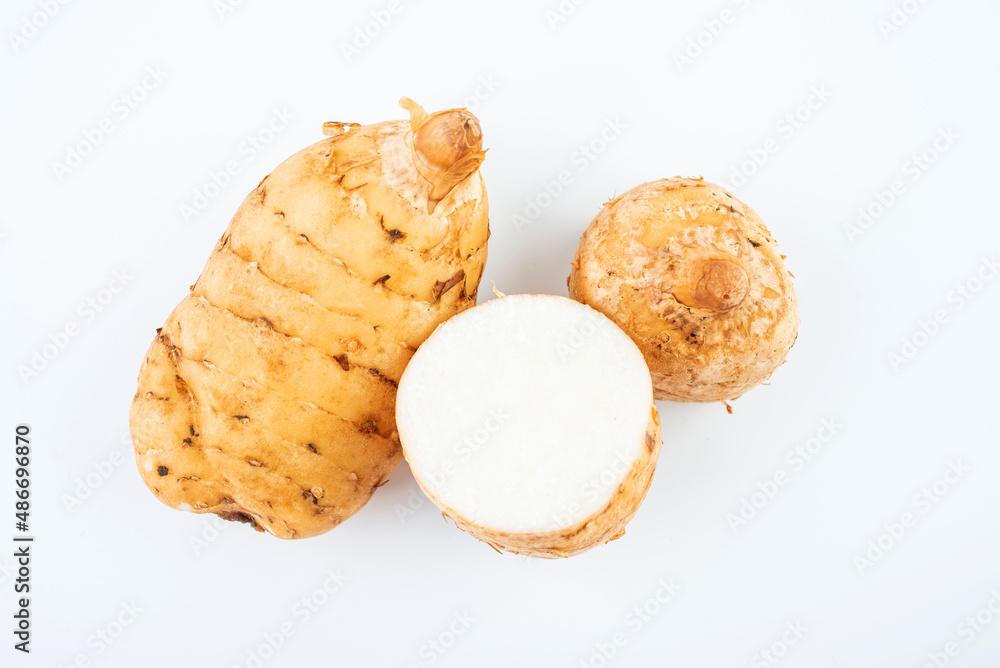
x: 542, y: 89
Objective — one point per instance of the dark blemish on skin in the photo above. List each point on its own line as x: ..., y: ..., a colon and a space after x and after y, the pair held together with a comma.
x: 281, y: 214
x: 242, y: 417
x: 311, y: 448
x: 755, y: 244
x: 441, y: 287
x: 394, y: 234
x: 237, y: 516
x: 378, y: 374
x: 342, y: 361
x: 650, y: 442
x: 731, y: 208
x: 267, y: 323
x: 382, y: 280
x: 303, y: 239
x: 162, y: 470
x: 191, y: 429
x: 309, y: 495
x: 369, y: 426
x: 187, y: 441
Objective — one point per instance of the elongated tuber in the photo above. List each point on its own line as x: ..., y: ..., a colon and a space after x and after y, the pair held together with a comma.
x: 268, y: 396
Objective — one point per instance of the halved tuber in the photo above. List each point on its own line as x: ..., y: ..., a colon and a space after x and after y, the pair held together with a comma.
x: 529, y: 421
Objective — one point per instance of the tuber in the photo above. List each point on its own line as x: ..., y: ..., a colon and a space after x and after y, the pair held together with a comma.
x: 268, y: 396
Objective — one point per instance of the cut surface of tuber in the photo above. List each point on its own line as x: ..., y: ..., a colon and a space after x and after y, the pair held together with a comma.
x: 528, y: 420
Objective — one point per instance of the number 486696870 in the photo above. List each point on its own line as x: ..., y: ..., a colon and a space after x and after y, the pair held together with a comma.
x: 22, y: 476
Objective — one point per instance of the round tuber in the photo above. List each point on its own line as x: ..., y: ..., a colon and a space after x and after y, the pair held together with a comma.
x: 695, y: 278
